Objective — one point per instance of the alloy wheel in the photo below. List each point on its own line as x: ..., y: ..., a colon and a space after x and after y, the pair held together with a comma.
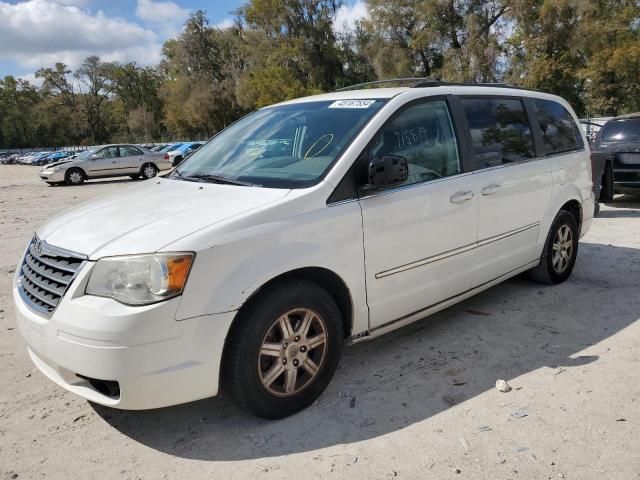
x: 562, y: 249
x: 292, y: 352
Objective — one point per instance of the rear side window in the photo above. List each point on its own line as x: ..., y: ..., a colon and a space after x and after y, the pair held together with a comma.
x: 500, y: 131
x: 627, y: 130
x: 129, y: 151
x: 559, y: 132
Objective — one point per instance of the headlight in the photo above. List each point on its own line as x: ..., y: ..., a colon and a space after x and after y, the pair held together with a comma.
x: 140, y: 279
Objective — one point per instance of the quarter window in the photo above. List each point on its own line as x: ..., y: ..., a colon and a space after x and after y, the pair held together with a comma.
x: 424, y: 135
x: 500, y: 131
x: 559, y: 131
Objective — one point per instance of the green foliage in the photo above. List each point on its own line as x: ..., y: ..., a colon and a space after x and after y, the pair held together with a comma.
x: 587, y: 51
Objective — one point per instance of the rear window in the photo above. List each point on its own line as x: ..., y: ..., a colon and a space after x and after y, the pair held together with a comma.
x: 500, y: 131
x: 559, y: 131
x: 627, y: 130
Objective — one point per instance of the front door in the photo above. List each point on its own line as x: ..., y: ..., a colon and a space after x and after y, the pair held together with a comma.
x: 419, y: 237
x: 104, y: 163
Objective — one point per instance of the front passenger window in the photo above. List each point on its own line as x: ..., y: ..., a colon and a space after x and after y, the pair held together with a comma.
x: 109, y: 152
x: 424, y: 135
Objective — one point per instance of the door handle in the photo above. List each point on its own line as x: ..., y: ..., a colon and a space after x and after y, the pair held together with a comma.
x: 114, y: 162
x: 491, y: 189
x: 460, y: 197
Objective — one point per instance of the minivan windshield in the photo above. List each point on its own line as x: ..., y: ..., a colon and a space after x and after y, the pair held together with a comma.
x: 627, y: 130
x: 285, y: 146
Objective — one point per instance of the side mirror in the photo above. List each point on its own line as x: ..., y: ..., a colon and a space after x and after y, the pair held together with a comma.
x: 385, y: 171
x: 94, y: 156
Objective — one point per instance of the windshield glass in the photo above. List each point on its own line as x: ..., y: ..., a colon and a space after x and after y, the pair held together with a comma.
x: 627, y: 130
x: 85, y: 155
x: 286, y: 146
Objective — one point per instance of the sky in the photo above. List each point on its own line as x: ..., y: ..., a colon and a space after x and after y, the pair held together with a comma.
x: 39, y: 33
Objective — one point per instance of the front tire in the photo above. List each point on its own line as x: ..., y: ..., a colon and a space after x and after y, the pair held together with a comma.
x: 560, y: 251
x: 283, y: 349
x: 74, y: 176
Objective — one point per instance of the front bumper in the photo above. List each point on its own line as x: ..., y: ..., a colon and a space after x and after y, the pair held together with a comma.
x: 50, y: 176
x: 155, y: 360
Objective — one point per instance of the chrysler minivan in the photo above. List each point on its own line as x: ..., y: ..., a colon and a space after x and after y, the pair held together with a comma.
x: 306, y: 225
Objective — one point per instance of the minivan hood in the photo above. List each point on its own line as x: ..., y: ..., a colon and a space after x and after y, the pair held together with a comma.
x: 150, y: 215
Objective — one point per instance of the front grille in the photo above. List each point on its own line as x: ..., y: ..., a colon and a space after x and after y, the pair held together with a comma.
x: 45, y: 274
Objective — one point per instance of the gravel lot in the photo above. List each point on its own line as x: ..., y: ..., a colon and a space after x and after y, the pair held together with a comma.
x: 418, y: 403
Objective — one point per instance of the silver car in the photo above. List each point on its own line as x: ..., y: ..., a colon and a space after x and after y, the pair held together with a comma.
x: 121, y: 160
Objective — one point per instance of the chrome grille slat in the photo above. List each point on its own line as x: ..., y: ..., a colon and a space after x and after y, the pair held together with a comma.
x: 48, y: 272
x: 31, y: 288
x: 43, y: 284
x: 45, y: 275
x: 64, y: 265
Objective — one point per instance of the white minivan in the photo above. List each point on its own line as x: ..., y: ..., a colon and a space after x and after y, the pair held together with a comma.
x: 306, y: 225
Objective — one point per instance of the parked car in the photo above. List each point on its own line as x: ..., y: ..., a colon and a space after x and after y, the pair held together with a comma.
x: 57, y: 156
x: 184, y: 151
x: 170, y: 148
x: 619, y: 142
x: 106, y: 161
x: 332, y: 218
x: 26, y: 158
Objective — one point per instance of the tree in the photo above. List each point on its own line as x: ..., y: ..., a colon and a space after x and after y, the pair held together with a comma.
x: 18, y: 125
x: 96, y: 85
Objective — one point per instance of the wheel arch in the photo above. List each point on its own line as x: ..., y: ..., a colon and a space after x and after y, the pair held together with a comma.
x: 574, y: 207
x: 324, y: 278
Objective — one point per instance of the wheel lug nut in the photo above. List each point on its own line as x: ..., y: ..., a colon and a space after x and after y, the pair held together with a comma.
x: 303, y: 349
x: 295, y: 363
x: 284, y: 361
x: 284, y: 345
x: 297, y: 339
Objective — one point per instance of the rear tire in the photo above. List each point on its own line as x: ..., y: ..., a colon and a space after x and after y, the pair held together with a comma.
x: 148, y: 170
x: 560, y: 251
x: 607, y: 192
x: 283, y: 349
x: 74, y: 176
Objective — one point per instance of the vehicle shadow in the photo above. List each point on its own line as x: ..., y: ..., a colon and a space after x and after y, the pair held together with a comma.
x: 419, y: 371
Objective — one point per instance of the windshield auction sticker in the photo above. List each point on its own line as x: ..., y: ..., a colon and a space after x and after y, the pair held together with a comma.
x: 352, y: 104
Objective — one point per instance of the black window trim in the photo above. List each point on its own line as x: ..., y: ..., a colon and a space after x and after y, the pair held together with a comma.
x: 347, y: 189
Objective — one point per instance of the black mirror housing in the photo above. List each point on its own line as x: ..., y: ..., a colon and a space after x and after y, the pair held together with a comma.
x: 385, y: 171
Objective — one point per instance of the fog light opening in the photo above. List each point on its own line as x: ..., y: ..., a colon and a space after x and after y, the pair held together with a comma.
x: 108, y: 388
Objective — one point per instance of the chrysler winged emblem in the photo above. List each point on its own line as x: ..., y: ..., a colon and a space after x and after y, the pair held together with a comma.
x: 38, y: 247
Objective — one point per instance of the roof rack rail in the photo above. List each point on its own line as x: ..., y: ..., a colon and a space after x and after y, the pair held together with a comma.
x: 422, y: 82
x: 403, y: 82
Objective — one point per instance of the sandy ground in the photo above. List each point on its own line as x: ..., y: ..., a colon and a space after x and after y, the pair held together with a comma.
x: 418, y: 403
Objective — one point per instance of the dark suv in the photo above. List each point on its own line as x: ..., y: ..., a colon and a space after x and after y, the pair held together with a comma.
x: 619, y: 140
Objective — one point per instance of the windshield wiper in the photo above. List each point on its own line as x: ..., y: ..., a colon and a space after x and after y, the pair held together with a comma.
x: 201, y: 177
